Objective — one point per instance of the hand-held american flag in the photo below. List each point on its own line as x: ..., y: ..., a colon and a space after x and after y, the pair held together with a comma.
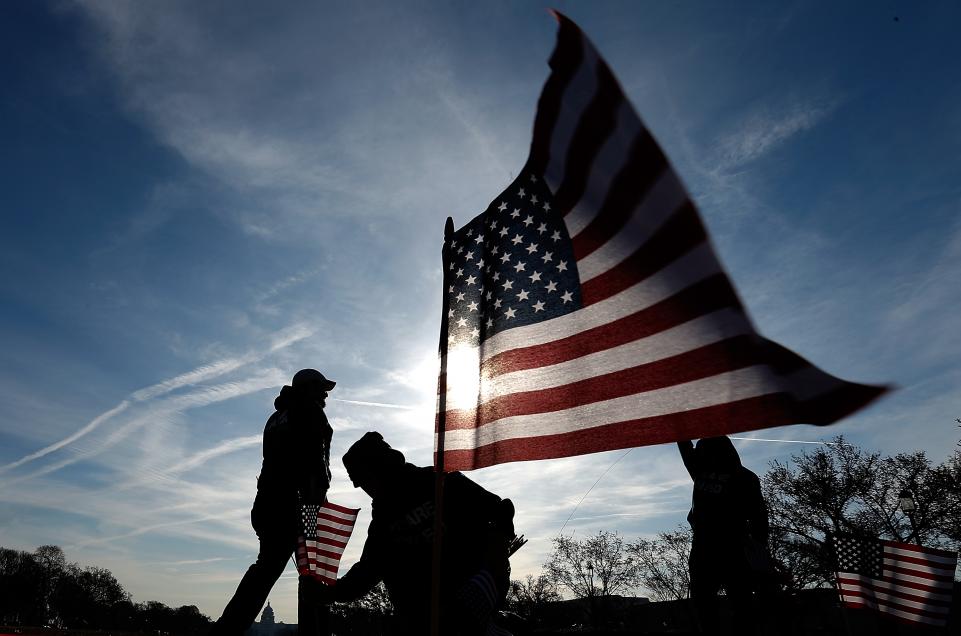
x: 586, y: 310
x: 907, y: 581
x: 326, y: 530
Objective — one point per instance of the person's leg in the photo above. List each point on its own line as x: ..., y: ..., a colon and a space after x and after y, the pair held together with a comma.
x: 740, y: 595
x: 705, y: 586
x: 253, y: 589
x: 313, y: 619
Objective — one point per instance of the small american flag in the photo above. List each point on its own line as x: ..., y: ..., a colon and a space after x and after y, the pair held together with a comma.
x: 326, y: 530
x: 586, y: 310
x: 903, y: 580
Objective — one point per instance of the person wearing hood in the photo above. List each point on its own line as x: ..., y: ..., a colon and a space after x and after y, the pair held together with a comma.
x: 729, y: 521
x: 287, y: 480
x: 478, y: 538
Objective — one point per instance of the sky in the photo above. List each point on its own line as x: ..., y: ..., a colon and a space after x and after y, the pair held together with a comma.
x: 199, y: 199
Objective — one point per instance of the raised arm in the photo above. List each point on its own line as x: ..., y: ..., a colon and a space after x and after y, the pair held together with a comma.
x: 687, y: 454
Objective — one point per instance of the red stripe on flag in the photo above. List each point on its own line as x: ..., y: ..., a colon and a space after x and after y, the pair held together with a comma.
x: 682, y: 232
x: 337, y: 519
x: 727, y: 355
x: 721, y: 419
x: 946, y: 578
x: 702, y: 298
x: 918, y: 560
x: 899, y: 590
x: 564, y: 61
x: 596, y: 123
x: 645, y: 164
x: 343, y: 509
x: 333, y: 542
x: 868, y: 599
x: 938, y: 552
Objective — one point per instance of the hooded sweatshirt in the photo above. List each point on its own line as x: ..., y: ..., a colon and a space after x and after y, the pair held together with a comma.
x: 296, y: 450
x: 727, y: 502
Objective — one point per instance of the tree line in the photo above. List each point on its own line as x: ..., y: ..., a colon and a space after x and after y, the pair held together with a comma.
x: 41, y: 588
x: 836, y: 488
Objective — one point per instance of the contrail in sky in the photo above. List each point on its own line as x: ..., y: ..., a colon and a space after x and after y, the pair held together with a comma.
x: 788, y: 441
x: 94, y: 423
x: 283, y: 339
x: 382, y: 405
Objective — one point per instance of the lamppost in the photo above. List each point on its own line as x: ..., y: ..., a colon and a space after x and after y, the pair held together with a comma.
x: 906, y: 503
x: 591, y: 599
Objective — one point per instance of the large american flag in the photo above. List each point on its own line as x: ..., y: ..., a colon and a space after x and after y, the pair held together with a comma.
x: 325, y: 532
x: 586, y: 309
x: 903, y: 580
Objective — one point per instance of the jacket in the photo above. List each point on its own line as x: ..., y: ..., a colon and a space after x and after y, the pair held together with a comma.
x: 727, y: 504
x: 398, y: 550
x: 296, y: 461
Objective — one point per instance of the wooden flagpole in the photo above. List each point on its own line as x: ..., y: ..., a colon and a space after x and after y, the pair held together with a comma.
x: 439, y: 457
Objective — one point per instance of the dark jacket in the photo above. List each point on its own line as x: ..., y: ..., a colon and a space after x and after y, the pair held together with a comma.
x: 296, y: 466
x: 727, y: 505
x: 398, y: 550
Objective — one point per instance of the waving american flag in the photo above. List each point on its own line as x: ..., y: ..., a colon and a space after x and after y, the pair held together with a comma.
x: 326, y: 530
x: 586, y: 309
x: 903, y: 580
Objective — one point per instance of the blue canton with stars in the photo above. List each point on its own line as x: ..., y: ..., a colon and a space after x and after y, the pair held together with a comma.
x: 857, y: 555
x: 511, y: 266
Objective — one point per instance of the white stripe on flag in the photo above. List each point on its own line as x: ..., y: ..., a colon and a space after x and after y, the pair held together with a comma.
x: 699, y: 332
x: 614, y: 153
x: 325, y: 524
x: 718, y: 389
x: 932, y: 593
x: 894, y: 599
x: 949, y: 562
x: 907, y: 615
x: 664, y: 198
x: 578, y: 94
x: 344, y: 517
x: 694, y: 267
x: 918, y: 567
x: 922, y: 580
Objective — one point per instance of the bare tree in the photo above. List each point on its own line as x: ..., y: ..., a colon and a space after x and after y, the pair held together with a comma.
x: 598, y: 565
x: 840, y: 488
x: 663, y: 563
x: 528, y: 596
x: 950, y: 486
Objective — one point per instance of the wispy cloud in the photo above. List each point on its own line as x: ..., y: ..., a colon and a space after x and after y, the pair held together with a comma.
x: 206, y: 395
x: 763, y: 131
x: 931, y: 296
x: 224, y: 448
x: 84, y: 430
x: 383, y: 405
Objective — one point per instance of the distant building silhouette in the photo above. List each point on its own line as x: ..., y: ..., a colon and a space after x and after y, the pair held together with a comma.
x: 269, y: 627
x: 267, y: 618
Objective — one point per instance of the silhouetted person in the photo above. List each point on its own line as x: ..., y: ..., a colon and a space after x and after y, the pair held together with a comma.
x: 295, y: 471
x: 727, y: 513
x: 477, y: 539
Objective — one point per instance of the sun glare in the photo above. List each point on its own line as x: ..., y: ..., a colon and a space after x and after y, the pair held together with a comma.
x: 463, y: 377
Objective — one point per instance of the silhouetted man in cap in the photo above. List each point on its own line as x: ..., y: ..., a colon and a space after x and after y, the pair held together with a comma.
x: 477, y: 541
x: 729, y: 520
x: 295, y: 471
